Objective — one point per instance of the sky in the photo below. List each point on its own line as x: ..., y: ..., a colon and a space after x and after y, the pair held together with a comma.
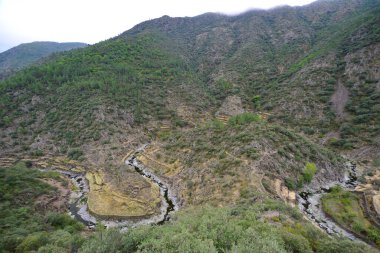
x: 91, y: 21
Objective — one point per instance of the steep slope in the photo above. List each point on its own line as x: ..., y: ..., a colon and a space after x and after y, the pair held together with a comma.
x: 235, y: 108
x: 28, y: 53
x: 171, y: 68
x: 223, y: 164
x: 291, y: 60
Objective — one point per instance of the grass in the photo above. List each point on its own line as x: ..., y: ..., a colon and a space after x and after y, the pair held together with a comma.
x: 25, y: 228
x: 242, y: 228
x: 132, y: 78
x: 345, y: 209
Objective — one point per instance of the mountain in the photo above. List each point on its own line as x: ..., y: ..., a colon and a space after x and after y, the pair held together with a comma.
x: 25, y: 54
x: 239, y: 112
x: 291, y: 60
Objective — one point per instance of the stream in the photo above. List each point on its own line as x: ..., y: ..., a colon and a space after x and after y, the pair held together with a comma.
x: 310, y: 204
x: 169, y: 199
x: 308, y: 201
x: 78, y: 200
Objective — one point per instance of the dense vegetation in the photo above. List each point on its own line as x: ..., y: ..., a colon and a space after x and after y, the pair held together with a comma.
x: 25, y: 54
x: 230, y: 104
x: 25, y: 227
x: 265, y: 226
x: 344, y: 207
x: 247, y: 138
x: 144, y: 75
x: 244, y: 228
x: 220, y: 162
x: 113, y: 76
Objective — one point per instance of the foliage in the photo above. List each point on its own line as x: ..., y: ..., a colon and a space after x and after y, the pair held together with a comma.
x: 146, y: 76
x: 244, y: 118
x: 28, y: 53
x: 75, y: 153
x: 345, y: 209
x: 256, y: 100
x: 23, y: 227
x: 309, y: 172
x: 134, y: 78
x: 210, y: 229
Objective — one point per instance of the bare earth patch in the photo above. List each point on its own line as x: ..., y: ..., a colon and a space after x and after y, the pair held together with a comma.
x: 122, y: 196
x: 56, y: 202
x: 339, y: 99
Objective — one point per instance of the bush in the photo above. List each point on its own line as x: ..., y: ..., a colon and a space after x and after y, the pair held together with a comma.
x: 209, y: 229
x: 63, y: 221
x: 37, y: 152
x: 342, y: 246
x: 290, y: 183
x: 243, y: 119
x: 33, y: 242
x: 104, y: 242
x: 75, y: 153
x: 256, y: 100
x: 296, y: 243
x: 51, y: 249
x: 309, y: 172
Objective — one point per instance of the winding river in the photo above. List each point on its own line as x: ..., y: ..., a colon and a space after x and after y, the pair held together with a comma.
x: 169, y: 199
x: 310, y: 203
x: 78, y: 200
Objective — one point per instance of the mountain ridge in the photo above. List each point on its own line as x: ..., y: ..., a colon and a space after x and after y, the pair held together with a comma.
x: 236, y: 109
x: 25, y: 54
x: 211, y: 70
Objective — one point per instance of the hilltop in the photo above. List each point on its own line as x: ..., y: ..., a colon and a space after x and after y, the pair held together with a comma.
x: 236, y: 111
x: 27, y: 53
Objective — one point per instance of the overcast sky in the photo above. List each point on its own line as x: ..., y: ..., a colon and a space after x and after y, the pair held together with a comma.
x: 91, y: 21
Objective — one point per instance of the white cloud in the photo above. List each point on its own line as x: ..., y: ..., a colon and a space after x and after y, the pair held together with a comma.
x: 92, y: 20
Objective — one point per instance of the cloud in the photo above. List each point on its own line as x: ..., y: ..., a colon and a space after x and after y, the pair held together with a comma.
x: 91, y: 21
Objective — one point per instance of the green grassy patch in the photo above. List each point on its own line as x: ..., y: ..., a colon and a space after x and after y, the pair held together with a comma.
x: 345, y: 209
x: 244, y: 228
x: 25, y: 228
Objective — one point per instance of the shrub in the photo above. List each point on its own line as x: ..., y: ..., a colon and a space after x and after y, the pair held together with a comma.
x: 290, y: 183
x: 208, y: 229
x: 33, y: 242
x: 75, y: 153
x: 51, y: 249
x: 28, y: 164
x: 341, y: 246
x: 104, y: 242
x: 296, y: 243
x: 63, y: 221
x: 256, y: 100
x: 37, y: 152
x: 309, y: 172
x: 243, y: 119
x: 374, y: 235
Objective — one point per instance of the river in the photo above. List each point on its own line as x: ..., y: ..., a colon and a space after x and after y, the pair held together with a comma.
x: 78, y: 200
x: 310, y: 203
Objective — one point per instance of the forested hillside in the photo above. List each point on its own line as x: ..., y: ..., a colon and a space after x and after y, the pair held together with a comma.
x: 244, y: 113
x: 25, y: 54
x: 288, y: 62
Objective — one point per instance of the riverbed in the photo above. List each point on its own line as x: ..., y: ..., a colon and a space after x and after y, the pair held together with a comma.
x: 78, y: 200
x: 310, y: 203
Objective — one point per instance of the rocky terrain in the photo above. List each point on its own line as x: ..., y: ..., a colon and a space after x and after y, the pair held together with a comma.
x: 233, y: 112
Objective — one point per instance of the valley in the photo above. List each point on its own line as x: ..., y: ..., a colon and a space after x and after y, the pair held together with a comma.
x: 258, y: 132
